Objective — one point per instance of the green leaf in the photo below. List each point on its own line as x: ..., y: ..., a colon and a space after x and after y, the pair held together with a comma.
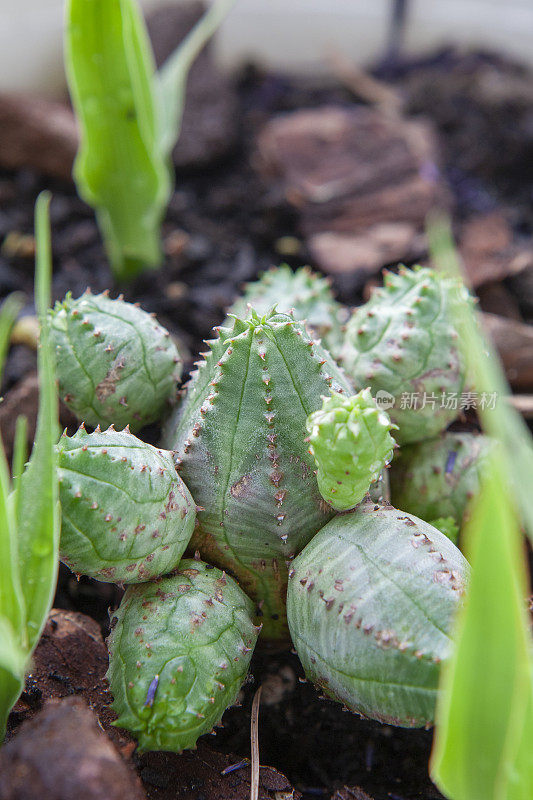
x: 11, y: 597
x: 120, y: 169
x: 173, y: 74
x: 19, y: 457
x: 12, y: 667
x: 501, y: 422
x: 484, y: 706
x: 38, y: 508
x: 8, y: 314
x: 485, y: 713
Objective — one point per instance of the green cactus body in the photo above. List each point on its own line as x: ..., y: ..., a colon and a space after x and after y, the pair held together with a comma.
x: 448, y: 526
x: 305, y: 293
x: 179, y: 652
x: 370, y: 604
x: 402, y: 344
x: 115, y: 363
x: 439, y: 478
x: 240, y: 441
x: 350, y: 441
x: 127, y: 516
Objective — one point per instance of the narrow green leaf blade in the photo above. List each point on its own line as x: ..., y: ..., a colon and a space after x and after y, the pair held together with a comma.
x: 119, y: 169
x: 20, y: 455
x: 8, y: 314
x: 486, y: 686
x: 521, y: 770
x: 13, y: 660
x: 173, y: 73
x: 11, y: 597
x: 38, y: 508
x: 500, y: 421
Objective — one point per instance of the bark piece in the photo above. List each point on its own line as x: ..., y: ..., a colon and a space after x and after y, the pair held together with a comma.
x: 514, y: 342
x: 362, y: 179
x: 62, y: 754
x: 37, y: 134
x: 489, y: 251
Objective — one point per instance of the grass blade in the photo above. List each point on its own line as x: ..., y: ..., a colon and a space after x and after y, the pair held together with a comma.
x: 119, y: 169
x: 11, y: 597
x: 8, y: 314
x: 38, y: 508
x: 501, y: 422
x: 173, y: 73
x: 486, y: 687
x: 20, y: 454
x: 484, y: 728
x: 12, y: 668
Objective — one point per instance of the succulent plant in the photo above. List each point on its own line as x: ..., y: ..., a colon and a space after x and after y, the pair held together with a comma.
x: 305, y: 293
x: 115, y: 363
x: 350, y: 441
x: 239, y: 435
x: 127, y: 516
x: 448, y: 526
x: 403, y: 344
x: 369, y: 605
x: 179, y: 651
x: 439, y: 478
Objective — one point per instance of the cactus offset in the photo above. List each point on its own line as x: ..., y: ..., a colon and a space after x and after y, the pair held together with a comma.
x: 350, y: 441
x: 439, y: 478
x: 126, y: 514
x: 240, y: 441
x: 305, y: 293
x: 115, y: 363
x: 370, y: 604
x: 448, y: 526
x: 179, y: 652
x: 403, y: 344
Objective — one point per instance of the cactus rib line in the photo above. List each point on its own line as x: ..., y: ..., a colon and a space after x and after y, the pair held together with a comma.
x: 151, y: 500
x: 187, y: 653
x: 352, y: 676
x: 82, y: 367
x: 225, y: 493
x: 140, y: 338
x: 85, y: 536
x: 407, y: 378
x: 391, y: 580
x: 292, y: 379
x: 123, y: 558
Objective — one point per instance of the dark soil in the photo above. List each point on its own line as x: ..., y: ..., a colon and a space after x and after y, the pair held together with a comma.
x: 224, y: 225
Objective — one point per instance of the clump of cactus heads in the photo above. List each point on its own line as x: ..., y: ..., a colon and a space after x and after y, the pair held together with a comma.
x: 403, y: 344
x: 239, y: 435
x: 127, y: 516
x: 370, y: 604
x: 305, y: 293
x: 439, y: 478
x: 179, y: 652
x: 115, y: 363
x: 349, y: 438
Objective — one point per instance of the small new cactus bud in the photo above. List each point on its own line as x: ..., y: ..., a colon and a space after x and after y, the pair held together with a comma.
x: 403, y: 344
x: 370, y: 605
x: 179, y: 652
x: 350, y: 441
x: 115, y: 364
x: 239, y: 435
x: 307, y: 294
x: 439, y: 478
x: 127, y: 516
x: 448, y: 526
